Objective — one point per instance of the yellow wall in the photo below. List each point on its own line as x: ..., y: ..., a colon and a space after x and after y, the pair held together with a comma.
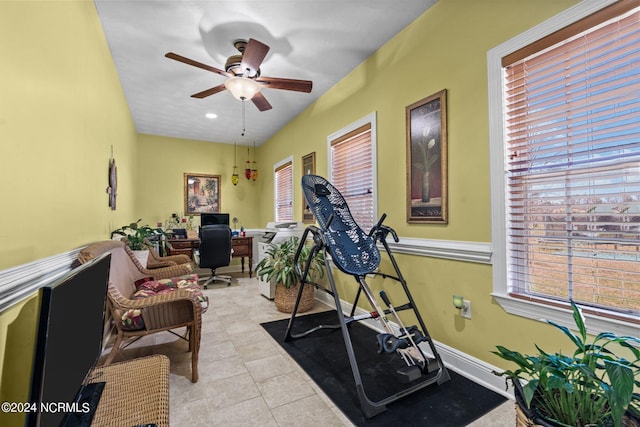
x: 162, y: 163
x: 62, y: 110
x: 18, y: 326
x: 445, y: 48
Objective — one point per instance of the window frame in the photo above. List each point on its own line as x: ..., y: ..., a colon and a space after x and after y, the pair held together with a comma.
x: 369, y: 119
x: 557, y: 312
x: 276, y: 167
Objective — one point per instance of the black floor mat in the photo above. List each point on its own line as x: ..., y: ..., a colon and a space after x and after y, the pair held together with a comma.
x: 323, y: 357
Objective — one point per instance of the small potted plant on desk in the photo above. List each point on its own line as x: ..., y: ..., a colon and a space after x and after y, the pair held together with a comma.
x: 590, y: 387
x: 279, y: 266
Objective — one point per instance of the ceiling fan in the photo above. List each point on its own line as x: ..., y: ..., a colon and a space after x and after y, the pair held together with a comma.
x: 243, y: 75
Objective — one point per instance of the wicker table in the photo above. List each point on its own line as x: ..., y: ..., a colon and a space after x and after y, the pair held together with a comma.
x: 136, y: 393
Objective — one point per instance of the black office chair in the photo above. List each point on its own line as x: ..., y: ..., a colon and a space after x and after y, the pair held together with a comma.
x: 215, y: 251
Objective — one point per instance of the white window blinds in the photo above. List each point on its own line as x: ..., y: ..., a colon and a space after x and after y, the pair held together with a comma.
x: 284, y: 192
x: 573, y: 164
x: 352, y: 173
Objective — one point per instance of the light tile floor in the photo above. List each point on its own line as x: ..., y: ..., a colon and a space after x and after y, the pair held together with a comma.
x: 246, y: 378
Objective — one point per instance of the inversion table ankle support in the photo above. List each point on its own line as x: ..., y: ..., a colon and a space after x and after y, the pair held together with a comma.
x: 356, y: 253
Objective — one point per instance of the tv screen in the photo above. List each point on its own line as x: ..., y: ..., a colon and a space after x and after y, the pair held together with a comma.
x: 214, y: 219
x: 68, y: 341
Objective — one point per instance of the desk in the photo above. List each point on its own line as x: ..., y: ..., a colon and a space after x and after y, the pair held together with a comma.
x: 136, y: 392
x: 242, y: 247
x: 182, y: 246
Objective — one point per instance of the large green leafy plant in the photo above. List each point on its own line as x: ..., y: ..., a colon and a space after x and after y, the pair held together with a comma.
x: 136, y: 235
x: 279, y: 263
x: 592, y: 386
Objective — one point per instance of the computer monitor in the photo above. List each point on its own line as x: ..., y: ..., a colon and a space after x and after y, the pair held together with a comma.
x: 214, y: 219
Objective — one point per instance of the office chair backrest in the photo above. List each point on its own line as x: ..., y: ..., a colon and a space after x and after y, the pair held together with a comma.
x: 215, y: 246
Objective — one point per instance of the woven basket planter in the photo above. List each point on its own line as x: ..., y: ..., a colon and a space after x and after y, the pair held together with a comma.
x: 526, y: 418
x: 522, y: 420
x: 285, y: 298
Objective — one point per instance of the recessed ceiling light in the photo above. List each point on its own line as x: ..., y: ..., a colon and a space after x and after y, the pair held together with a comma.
x: 211, y: 116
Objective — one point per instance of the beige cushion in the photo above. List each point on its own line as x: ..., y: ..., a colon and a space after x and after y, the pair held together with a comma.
x: 123, y: 273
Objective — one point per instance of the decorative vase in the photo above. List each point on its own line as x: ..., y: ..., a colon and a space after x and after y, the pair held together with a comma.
x: 426, y: 195
x: 285, y: 298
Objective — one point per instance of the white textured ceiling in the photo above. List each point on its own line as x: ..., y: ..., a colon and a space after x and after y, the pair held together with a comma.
x: 318, y: 40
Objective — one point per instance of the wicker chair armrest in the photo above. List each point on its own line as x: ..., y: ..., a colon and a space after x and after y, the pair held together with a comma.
x: 177, y: 295
x: 160, y: 273
x: 175, y: 313
x: 160, y: 311
x: 169, y: 272
x: 153, y: 264
x: 178, y: 259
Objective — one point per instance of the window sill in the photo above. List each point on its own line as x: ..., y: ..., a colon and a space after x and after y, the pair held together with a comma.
x: 543, y: 312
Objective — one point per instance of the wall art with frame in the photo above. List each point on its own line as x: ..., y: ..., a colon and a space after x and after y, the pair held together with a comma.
x: 201, y: 193
x: 427, y: 159
x: 308, y: 168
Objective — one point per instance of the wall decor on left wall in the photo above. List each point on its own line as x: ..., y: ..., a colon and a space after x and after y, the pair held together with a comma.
x: 112, y: 189
x: 201, y: 194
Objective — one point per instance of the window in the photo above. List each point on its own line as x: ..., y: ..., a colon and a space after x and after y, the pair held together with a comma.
x: 283, y: 196
x: 566, y: 163
x: 352, y: 168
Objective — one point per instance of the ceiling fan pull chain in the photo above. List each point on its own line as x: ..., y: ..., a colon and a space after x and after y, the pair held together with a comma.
x: 243, y: 128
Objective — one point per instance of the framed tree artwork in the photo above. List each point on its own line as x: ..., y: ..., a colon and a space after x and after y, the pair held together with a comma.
x: 201, y: 193
x: 427, y: 159
x: 308, y: 168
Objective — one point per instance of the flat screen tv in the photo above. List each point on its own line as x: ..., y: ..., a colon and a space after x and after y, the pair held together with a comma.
x: 214, y: 219
x: 68, y: 345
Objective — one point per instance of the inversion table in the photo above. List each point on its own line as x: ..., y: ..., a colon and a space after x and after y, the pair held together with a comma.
x: 356, y: 253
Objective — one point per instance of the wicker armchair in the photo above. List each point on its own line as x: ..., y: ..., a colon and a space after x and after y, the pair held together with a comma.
x: 164, y: 312
x: 158, y: 272
x: 157, y: 261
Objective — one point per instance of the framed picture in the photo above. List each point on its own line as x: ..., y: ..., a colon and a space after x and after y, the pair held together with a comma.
x: 427, y: 159
x: 308, y: 168
x: 201, y: 194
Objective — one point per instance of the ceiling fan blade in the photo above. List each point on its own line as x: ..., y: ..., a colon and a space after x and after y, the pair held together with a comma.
x: 261, y: 102
x: 188, y: 61
x: 285, y: 84
x: 252, y: 57
x: 209, y: 92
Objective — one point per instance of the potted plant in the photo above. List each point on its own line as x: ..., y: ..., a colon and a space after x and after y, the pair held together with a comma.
x: 137, y: 238
x: 592, y: 386
x: 279, y: 266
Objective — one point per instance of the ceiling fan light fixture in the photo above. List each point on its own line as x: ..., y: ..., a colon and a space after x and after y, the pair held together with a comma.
x: 242, y: 88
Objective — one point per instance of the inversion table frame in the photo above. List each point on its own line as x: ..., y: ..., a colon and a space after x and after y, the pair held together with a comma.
x: 355, y: 253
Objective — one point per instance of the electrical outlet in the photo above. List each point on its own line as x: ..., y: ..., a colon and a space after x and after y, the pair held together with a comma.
x: 465, y: 311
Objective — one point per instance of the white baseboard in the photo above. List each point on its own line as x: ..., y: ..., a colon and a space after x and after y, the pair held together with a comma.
x: 466, y: 365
